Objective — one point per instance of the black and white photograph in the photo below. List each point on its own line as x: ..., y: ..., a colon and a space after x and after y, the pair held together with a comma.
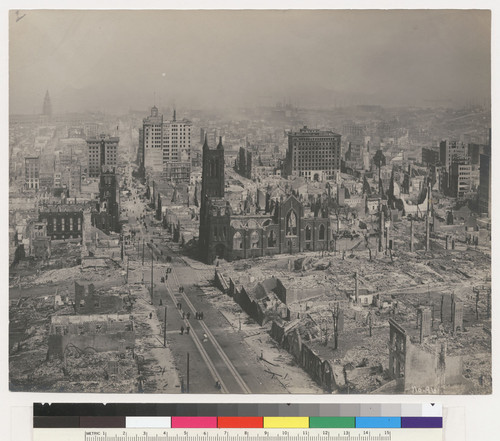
x: 250, y: 201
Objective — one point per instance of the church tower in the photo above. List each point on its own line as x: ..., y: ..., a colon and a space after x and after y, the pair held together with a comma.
x: 214, y: 212
x: 212, y: 175
x: 47, y: 105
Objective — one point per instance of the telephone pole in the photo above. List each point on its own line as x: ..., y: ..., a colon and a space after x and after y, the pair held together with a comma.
x: 165, y: 329
x: 151, y: 249
x: 127, y: 270
x: 187, y: 385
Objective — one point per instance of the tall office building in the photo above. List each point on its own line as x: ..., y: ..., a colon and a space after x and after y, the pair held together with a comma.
x: 460, y: 182
x: 313, y: 154
x: 167, y: 146
x: 430, y: 156
x: 485, y: 180
x: 454, y: 158
x: 450, y: 150
x: 102, y: 150
x: 152, y: 140
x: 32, y: 172
x: 203, y: 134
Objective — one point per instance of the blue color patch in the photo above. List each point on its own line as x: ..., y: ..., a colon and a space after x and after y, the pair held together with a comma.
x: 378, y: 422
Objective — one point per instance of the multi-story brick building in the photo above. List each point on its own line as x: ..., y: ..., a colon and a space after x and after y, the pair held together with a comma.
x: 32, y: 173
x: 450, y: 150
x: 485, y: 180
x: 64, y: 221
x: 460, y: 178
x: 313, y: 154
x: 244, y: 163
x: 430, y: 156
x: 102, y: 150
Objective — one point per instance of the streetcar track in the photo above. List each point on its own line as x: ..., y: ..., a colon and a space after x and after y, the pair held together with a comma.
x: 206, y: 358
x: 215, y: 343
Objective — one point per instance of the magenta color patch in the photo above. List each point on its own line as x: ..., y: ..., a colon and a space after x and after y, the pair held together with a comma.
x: 194, y: 422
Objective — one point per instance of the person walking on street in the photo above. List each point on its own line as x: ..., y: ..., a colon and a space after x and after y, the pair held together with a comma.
x: 187, y: 329
x: 201, y: 315
x: 182, y: 330
x: 188, y: 314
x: 183, y: 315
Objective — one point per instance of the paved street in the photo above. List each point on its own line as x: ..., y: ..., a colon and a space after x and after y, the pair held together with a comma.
x: 217, y: 352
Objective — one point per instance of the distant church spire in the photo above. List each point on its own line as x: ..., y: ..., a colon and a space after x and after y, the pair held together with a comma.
x: 47, y: 105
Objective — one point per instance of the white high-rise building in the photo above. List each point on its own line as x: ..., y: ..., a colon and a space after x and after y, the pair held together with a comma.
x: 167, y: 146
x: 152, y: 138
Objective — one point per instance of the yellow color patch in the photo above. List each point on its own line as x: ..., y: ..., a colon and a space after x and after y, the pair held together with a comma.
x: 286, y: 422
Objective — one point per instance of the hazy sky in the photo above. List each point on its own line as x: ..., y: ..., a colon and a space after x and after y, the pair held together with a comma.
x: 116, y: 60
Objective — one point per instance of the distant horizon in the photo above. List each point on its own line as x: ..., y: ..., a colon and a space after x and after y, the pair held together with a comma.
x: 485, y: 108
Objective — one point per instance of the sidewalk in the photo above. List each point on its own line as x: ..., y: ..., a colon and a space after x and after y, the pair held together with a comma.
x: 161, y: 372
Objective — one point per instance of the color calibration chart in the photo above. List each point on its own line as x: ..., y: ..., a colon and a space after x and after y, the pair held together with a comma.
x: 237, y: 422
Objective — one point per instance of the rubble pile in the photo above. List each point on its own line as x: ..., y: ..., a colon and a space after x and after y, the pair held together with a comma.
x: 396, y: 285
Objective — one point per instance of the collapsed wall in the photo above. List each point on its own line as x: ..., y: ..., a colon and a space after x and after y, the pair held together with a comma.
x: 101, y: 333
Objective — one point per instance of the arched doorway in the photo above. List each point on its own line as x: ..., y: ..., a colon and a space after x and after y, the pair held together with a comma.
x: 220, y: 251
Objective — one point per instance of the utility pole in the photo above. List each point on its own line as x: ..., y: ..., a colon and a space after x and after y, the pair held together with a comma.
x: 432, y: 306
x: 382, y: 227
x: 127, y: 270
x: 165, y: 329
x: 411, y: 236
x: 442, y: 304
x: 427, y: 224
x: 356, y: 291
x: 151, y: 249
x: 187, y: 385
x: 143, y: 252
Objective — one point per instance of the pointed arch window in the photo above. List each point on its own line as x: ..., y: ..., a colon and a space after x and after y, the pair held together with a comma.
x: 308, y: 233
x: 321, y: 232
x: 291, y: 223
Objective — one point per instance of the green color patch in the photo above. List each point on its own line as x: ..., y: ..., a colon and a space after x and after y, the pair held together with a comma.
x: 332, y: 422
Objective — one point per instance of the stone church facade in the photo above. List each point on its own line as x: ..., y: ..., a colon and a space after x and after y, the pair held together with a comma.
x: 285, y: 230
